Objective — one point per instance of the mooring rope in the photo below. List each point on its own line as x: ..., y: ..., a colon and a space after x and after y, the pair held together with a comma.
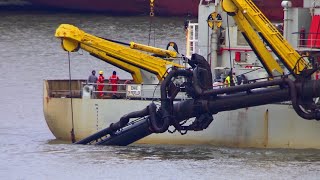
x: 73, y: 139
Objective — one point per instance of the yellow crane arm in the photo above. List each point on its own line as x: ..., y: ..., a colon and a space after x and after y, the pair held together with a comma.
x: 134, y: 71
x: 254, y: 40
x: 121, y: 56
x: 247, y: 11
x: 158, y: 51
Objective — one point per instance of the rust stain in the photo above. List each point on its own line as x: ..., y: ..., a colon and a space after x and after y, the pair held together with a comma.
x: 240, y: 138
x: 45, y: 91
x: 47, y: 99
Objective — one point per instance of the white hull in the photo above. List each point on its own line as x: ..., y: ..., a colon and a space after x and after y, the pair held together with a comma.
x: 268, y: 126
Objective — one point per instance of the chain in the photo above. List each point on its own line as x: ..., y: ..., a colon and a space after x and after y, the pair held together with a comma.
x: 152, y: 8
x: 151, y: 22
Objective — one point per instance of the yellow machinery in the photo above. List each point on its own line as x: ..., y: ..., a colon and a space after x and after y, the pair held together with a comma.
x: 126, y: 58
x: 158, y: 51
x: 256, y: 28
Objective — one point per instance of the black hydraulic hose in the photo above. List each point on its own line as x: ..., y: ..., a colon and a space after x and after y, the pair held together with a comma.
x: 196, y: 85
x: 167, y: 80
x: 152, y: 108
x: 166, y: 104
x: 296, y: 103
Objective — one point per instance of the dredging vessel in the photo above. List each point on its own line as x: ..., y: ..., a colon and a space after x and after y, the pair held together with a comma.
x: 267, y: 109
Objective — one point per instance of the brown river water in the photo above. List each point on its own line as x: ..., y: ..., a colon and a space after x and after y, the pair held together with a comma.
x: 29, y: 53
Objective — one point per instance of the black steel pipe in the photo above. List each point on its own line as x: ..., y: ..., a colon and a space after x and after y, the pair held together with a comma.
x: 235, y: 89
x: 125, y: 119
x: 191, y: 108
x: 309, y: 89
x: 95, y: 136
x: 129, y: 134
x: 254, y: 99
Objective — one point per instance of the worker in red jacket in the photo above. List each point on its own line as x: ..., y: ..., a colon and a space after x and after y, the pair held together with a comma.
x: 113, y: 80
x: 100, y: 83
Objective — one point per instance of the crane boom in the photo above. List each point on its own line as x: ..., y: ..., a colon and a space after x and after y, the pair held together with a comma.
x: 249, y: 18
x: 128, y: 59
x: 267, y: 60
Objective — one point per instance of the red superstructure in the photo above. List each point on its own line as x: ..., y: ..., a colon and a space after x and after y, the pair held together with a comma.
x: 271, y: 8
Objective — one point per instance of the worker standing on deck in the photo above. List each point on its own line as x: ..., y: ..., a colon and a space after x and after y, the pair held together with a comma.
x: 230, y: 79
x: 100, y: 83
x: 93, y: 79
x: 113, y: 80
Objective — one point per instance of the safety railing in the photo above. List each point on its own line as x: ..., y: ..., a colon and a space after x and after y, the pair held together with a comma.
x: 307, y: 40
x: 64, y: 88
x: 124, y: 91
x: 91, y: 90
x: 65, y: 93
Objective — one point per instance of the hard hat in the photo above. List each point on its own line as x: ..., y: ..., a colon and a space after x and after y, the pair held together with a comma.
x: 100, y: 72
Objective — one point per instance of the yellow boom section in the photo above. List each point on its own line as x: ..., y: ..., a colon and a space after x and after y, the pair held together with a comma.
x: 249, y: 18
x: 158, y: 51
x: 265, y: 57
x: 124, y: 57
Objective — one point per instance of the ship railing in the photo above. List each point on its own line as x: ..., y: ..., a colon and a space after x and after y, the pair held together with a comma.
x: 65, y: 93
x: 90, y: 90
x: 125, y: 91
x: 307, y: 41
x: 63, y: 88
x: 149, y: 91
